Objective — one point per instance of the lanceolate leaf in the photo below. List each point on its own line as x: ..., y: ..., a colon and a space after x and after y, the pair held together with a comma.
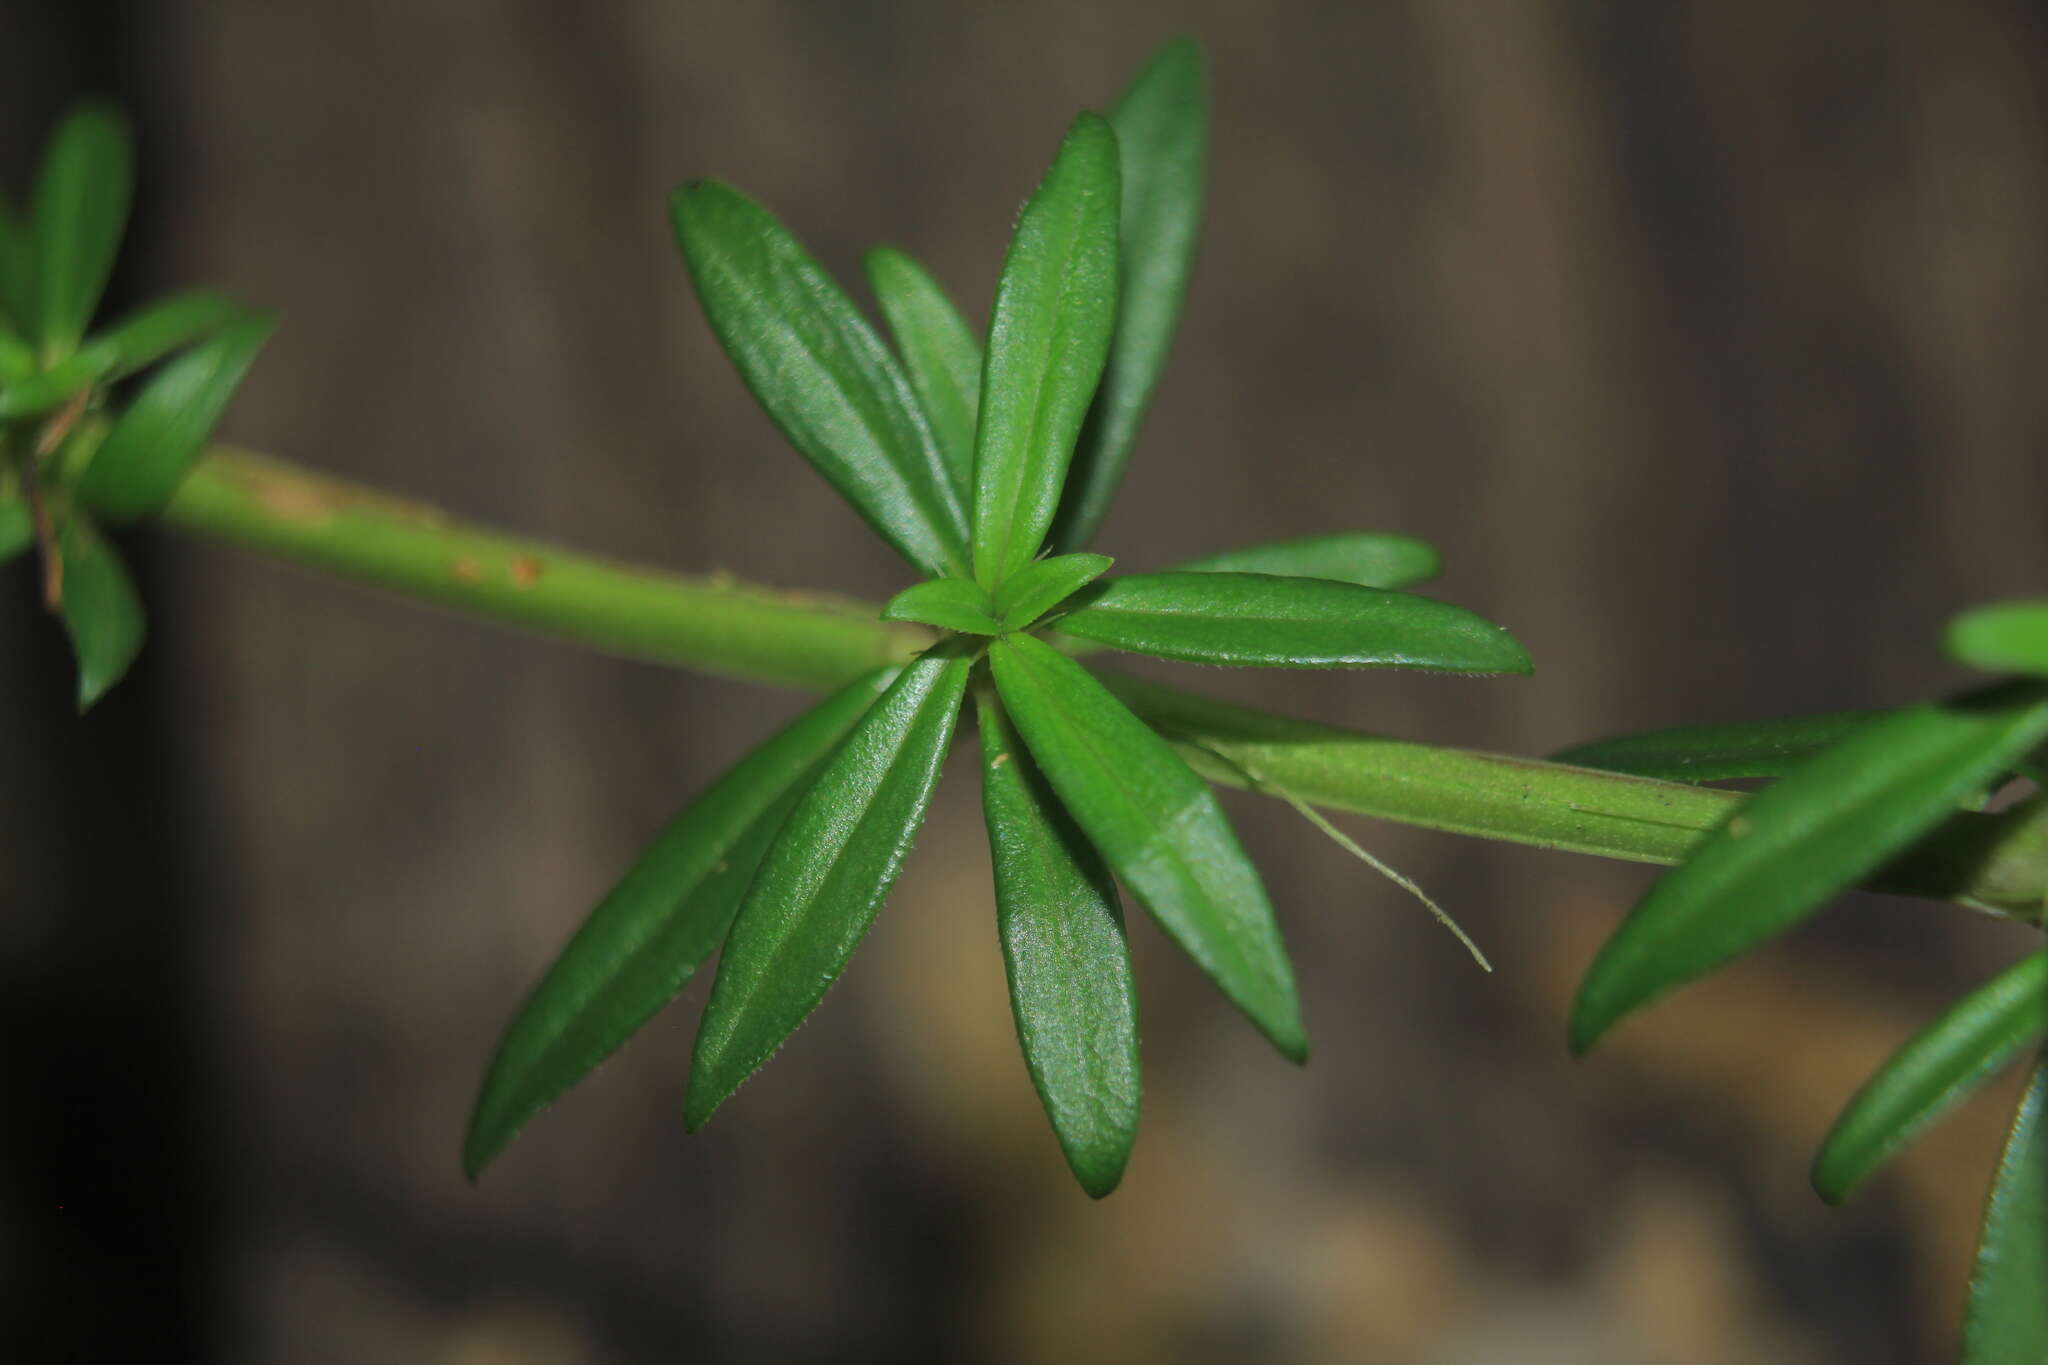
x: 1827, y: 824
x: 57, y: 385
x: 1157, y: 824
x: 649, y: 935
x: 81, y: 206
x: 1713, y: 753
x: 824, y: 877
x: 1055, y: 309
x: 1933, y: 1073
x: 939, y: 351
x: 1043, y: 584
x: 155, y: 441
x: 1162, y: 126
x: 948, y: 603
x: 821, y: 373
x: 1068, y: 964
x: 2007, y: 1317
x: 101, y: 610
x: 2007, y: 637
x: 1366, y: 558
x: 1264, y: 620
x: 153, y: 333
x: 17, y: 359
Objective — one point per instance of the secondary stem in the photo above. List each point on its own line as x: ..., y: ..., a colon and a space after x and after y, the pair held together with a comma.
x: 817, y: 641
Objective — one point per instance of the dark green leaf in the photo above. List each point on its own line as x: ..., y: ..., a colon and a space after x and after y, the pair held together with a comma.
x: 821, y: 373
x: 2006, y: 637
x: 1068, y: 964
x: 1825, y: 825
x: 1268, y: 621
x: 101, y: 611
x: 1162, y: 125
x: 1714, y: 753
x: 655, y: 928
x: 1935, y: 1071
x: 1159, y: 826
x: 146, y: 336
x: 18, y: 272
x: 2006, y: 1322
x: 941, y: 354
x: 1055, y: 310
x: 1043, y: 584
x: 824, y: 877
x: 81, y: 207
x: 948, y: 603
x: 1366, y: 558
x: 153, y: 443
x: 17, y: 358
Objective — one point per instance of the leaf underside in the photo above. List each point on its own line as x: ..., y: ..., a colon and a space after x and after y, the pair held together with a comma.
x: 2006, y: 1320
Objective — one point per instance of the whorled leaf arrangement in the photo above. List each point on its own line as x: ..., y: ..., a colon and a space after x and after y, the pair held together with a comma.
x: 977, y: 461
x: 75, y: 465
x: 1851, y: 792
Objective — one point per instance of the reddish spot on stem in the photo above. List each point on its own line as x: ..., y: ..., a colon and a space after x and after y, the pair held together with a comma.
x: 526, y: 571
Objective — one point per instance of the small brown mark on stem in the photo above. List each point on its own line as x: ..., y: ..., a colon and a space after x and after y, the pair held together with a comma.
x: 526, y: 571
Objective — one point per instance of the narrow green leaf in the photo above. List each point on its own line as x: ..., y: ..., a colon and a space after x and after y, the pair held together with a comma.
x: 1935, y: 1071
x: 1043, y: 584
x: 948, y: 603
x: 649, y: 935
x: 1367, y: 558
x: 153, y: 332
x: 52, y: 388
x: 2005, y: 637
x: 1055, y: 310
x: 1069, y: 966
x: 1714, y: 753
x: 939, y: 351
x: 153, y: 443
x: 1268, y: 621
x: 18, y: 271
x: 1159, y: 826
x: 81, y: 207
x: 821, y: 374
x: 824, y: 877
x: 101, y: 610
x: 1827, y: 824
x: 17, y: 358
x: 2006, y: 1321
x: 1162, y: 125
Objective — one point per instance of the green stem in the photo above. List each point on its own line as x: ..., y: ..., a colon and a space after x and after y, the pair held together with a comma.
x: 816, y: 641
x: 806, y: 640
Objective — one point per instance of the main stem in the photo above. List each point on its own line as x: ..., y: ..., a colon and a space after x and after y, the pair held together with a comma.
x: 817, y: 641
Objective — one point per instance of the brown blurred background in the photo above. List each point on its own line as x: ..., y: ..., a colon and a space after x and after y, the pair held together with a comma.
x: 1707, y: 342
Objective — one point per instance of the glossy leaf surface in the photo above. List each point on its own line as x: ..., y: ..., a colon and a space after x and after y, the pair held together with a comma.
x: 1827, y: 824
x: 81, y: 207
x: 652, y: 931
x: 1935, y: 1071
x: 1043, y: 584
x: 1068, y: 964
x: 948, y: 603
x: 939, y: 351
x: 152, y: 333
x: 1158, y: 825
x: 153, y: 443
x: 1162, y: 128
x: 1054, y: 312
x: 1268, y: 621
x: 824, y: 877
x: 1367, y: 558
x: 2005, y: 637
x: 1714, y: 753
x: 2006, y: 1322
x: 102, y: 612
x: 821, y: 373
